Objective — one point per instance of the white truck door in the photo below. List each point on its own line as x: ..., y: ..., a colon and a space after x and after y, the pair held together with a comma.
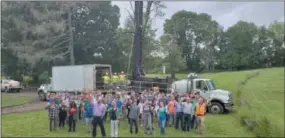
x: 202, y: 87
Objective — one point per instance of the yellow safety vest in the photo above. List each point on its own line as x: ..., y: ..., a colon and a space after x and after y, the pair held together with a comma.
x: 106, y: 79
x: 122, y: 77
x: 200, y: 109
x: 115, y: 78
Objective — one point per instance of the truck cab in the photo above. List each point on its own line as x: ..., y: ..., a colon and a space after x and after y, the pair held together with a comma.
x: 43, y: 91
x: 220, y: 100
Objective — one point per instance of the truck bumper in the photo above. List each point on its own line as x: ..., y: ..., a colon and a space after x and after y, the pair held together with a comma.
x: 229, y: 106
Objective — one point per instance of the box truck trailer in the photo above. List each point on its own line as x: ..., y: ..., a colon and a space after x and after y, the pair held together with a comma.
x: 75, y: 78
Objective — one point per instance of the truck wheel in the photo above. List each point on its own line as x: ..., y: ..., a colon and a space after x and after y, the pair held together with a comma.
x: 6, y: 90
x: 18, y: 90
x: 42, y: 96
x: 216, y: 108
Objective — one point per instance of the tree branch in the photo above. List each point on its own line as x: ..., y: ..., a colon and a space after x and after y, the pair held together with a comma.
x: 131, y: 16
x: 61, y: 55
x: 61, y: 43
x: 147, y: 14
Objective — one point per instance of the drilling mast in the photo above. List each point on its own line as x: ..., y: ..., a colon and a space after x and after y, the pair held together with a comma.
x: 138, y: 79
x: 137, y: 43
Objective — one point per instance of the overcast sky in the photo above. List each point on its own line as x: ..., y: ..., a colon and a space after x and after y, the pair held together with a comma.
x: 226, y: 13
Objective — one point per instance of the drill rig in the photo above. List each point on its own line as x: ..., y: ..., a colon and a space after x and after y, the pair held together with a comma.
x: 138, y: 79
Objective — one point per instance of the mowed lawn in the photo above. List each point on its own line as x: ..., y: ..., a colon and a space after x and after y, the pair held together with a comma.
x: 13, y: 99
x: 35, y: 124
x: 265, y: 93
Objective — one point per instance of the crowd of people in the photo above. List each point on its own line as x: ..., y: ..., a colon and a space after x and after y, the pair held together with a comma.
x: 149, y: 109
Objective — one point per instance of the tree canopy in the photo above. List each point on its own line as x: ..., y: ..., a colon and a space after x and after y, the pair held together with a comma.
x: 35, y: 37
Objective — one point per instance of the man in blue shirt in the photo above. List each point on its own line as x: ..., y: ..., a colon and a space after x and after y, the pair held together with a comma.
x: 179, y: 113
x: 119, y: 106
x: 163, y: 99
x: 88, y: 115
x: 109, y: 105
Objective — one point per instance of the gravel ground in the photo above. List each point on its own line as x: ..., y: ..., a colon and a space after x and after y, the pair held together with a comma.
x: 34, y: 105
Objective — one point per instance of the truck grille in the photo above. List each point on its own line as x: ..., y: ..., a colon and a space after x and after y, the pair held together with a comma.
x: 231, y: 99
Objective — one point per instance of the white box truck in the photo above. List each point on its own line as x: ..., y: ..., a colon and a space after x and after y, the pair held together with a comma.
x: 75, y: 78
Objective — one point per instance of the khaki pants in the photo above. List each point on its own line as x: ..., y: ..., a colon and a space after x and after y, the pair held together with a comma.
x: 200, y: 124
x: 52, y: 124
x: 147, y: 122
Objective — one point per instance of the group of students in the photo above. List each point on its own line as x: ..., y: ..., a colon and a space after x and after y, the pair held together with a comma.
x: 147, y: 109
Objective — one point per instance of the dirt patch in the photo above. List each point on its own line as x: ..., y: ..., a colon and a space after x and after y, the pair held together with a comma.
x: 34, y: 105
x: 32, y: 94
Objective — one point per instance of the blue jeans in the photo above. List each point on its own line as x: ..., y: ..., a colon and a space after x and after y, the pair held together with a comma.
x: 162, y: 126
x: 186, y: 122
x: 193, y: 122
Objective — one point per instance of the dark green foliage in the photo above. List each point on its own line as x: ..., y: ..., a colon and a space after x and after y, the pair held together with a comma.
x: 35, y: 38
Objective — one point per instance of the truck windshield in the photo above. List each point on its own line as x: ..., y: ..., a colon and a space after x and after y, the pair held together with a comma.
x: 211, y: 85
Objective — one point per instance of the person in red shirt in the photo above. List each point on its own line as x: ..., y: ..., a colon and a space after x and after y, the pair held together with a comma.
x: 171, y: 107
x: 72, y: 116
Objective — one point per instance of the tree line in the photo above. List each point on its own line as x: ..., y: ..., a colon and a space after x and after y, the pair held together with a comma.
x: 36, y: 36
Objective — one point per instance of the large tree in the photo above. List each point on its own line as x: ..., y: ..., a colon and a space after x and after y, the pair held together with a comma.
x: 95, y: 25
x: 277, y: 28
x: 195, y: 31
x: 173, y: 56
x: 29, y: 32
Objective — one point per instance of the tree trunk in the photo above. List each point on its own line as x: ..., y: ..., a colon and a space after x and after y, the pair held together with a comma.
x: 173, y: 74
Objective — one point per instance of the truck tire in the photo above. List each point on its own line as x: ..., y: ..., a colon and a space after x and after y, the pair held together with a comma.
x: 6, y: 90
x: 216, y: 108
x: 42, y: 96
x: 18, y: 90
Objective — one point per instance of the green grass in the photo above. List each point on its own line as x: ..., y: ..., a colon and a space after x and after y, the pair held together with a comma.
x: 9, y: 100
x: 36, y: 124
x: 265, y: 94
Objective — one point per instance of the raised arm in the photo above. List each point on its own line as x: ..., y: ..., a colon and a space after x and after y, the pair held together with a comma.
x: 93, y: 100
x: 47, y: 106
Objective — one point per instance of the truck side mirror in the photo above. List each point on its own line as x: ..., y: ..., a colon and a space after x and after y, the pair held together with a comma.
x: 205, y: 89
